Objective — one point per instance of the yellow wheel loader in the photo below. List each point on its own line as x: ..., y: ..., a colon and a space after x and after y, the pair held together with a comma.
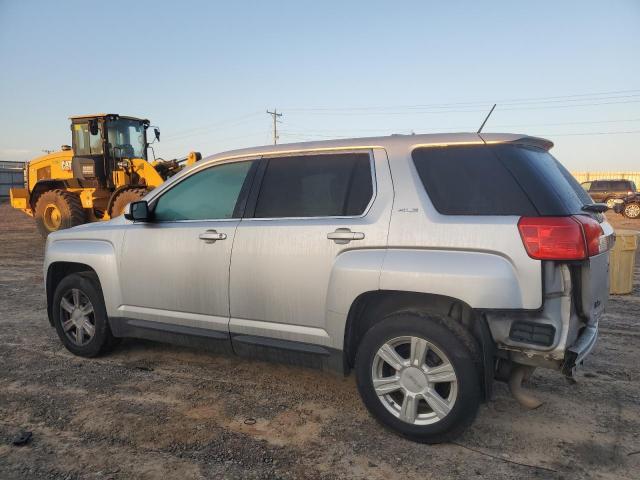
x: 105, y: 168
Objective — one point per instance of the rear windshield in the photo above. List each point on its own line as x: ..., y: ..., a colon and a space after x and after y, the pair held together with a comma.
x: 620, y: 185
x: 498, y: 180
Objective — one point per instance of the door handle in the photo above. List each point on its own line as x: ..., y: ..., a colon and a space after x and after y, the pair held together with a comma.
x: 344, y: 235
x: 211, y: 236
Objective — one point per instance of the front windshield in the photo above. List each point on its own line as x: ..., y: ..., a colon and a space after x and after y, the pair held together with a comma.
x: 126, y: 139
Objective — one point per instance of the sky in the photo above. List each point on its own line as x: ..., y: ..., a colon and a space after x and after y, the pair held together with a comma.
x: 207, y: 71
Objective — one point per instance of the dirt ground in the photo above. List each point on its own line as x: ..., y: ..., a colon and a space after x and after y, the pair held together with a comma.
x: 157, y: 411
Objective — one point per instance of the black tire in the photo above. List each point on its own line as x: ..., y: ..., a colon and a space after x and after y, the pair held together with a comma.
x: 124, y: 197
x: 434, y: 329
x: 58, y: 209
x: 88, y: 285
x: 631, y: 210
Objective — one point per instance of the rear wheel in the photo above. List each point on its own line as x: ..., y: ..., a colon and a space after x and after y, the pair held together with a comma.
x: 611, y: 202
x: 58, y: 209
x: 417, y: 377
x: 632, y: 210
x: 124, y: 197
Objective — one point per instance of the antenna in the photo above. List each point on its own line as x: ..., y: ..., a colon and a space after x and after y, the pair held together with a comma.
x: 486, y: 118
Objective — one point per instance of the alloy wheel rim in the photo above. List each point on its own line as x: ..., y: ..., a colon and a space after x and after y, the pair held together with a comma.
x: 611, y: 203
x: 52, y: 217
x: 77, y: 317
x: 414, y: 380
x: 632, y: 210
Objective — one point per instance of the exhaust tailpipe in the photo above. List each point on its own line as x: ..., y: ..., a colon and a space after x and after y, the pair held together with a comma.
x: 521, y: 394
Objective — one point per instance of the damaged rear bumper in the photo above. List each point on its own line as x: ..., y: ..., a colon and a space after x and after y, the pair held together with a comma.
x: 583, y: 345
x: 559, y: 335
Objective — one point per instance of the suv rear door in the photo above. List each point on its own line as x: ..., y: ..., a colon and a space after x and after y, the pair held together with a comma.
x: 304, y: 211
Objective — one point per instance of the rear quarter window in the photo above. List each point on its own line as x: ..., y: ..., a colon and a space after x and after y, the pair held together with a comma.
x: 470, y: 180
x: 620, y: 186
x: 502, y: 179
x: 550, y: 186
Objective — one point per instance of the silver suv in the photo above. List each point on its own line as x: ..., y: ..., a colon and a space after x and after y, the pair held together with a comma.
x: 430, y: 265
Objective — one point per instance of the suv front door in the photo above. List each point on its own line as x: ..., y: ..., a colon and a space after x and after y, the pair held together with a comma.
x: 175, y: 269
x: 310, y: 209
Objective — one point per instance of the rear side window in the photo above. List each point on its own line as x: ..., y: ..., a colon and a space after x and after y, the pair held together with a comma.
x: 315, y: 186
x: 470, y: 180
x: 620, y: 186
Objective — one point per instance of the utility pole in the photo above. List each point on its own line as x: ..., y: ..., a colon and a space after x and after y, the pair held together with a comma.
x: 275, y: 116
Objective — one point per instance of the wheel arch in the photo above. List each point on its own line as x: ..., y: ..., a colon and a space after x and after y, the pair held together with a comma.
x: 65, y: 257
x: 371, y: 307
x: 44, y: 186
x: 55, y: 273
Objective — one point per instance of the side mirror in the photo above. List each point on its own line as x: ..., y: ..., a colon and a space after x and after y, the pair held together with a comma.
x: 156, y: 132
x: 138, y: 211
x: 93, y: 127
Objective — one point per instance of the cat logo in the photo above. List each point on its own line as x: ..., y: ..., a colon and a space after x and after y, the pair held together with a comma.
x: 66, y: 165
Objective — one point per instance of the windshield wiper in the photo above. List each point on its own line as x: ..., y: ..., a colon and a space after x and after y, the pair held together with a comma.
x: 595, y: 207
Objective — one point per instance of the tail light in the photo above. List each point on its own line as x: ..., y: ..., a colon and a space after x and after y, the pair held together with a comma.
x: 562, y: 238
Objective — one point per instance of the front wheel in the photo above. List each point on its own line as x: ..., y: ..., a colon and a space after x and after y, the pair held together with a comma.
x: 417, y: 377
x: 80, y: 317
x: 58, y: 209
x: 632, y: 210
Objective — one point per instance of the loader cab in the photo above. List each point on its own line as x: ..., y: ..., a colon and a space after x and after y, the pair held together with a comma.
x: 101, y: 145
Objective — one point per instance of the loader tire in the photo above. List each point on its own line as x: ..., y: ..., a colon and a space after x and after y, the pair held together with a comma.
x: 58, y: 209
x: 124, y: 197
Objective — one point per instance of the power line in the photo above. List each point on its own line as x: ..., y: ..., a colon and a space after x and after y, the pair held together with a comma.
x: 222, y: 124
x: 619, y: 132
x: 465, y: 127
x: 475, y: 110
x: 553, y: 99
x: 590, y: 133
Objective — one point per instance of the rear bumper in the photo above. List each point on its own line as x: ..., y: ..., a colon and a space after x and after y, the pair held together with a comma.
x: 583, y: 345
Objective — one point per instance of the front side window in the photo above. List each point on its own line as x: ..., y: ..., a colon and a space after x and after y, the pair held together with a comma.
x: 316, y: 186
x: 126, y: 138
x: 210, y: 194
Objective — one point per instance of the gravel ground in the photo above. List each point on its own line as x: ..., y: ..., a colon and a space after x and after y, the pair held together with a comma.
x: 156, y: 411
